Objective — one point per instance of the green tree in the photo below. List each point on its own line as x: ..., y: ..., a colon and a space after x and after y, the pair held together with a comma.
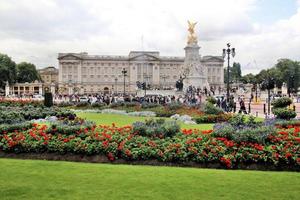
x: 248, y: 78
x: 289, y: 72
x: 7, y: 70
x: 26, y: 72
x: 236, y: 72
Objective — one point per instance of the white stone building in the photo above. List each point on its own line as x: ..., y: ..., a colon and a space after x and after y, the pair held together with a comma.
x: 82, y: 73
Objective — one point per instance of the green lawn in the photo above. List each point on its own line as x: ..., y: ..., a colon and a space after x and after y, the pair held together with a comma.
x: 122, y: 120
x: 29, y: 179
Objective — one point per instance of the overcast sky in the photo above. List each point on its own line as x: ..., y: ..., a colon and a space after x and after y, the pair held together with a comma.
x: 262, y: 31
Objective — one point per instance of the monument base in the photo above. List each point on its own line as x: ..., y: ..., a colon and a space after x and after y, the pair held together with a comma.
x: 195, y: 81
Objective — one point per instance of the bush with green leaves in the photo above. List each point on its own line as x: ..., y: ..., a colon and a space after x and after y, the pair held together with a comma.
x: 174, y: 106
x: 211, y: 118
x: 156, y: 128
x: 287, y: 123
x: 82, y: 104
x: 65, y: 104
x: 211, y: 109
x: 15, y: 127
x: 282, y: 102
x: 284, y: 113
x: 123, y: 104
x: 70, y: 127
x: 98, y: 105
x: 211, y: 100
x: 146, y: 105
x: 11, y: 117
x: 239, y: 134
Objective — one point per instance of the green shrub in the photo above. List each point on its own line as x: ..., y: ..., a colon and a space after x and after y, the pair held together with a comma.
x: 284, y: 113
x: 244, y: 134
x: 11, y: 117
x: 124, y: 104
x: 282, y: 102
x: 98, y: 105
x: 285, y: 123
x: 156, y: 128
x: 48, y: 102
x: 65, y: 104
x: 211, y: 100
x: 174, y: 106
x: 162, y: 111
x: 82, y: 104
x: 211, y: 109
x: 13, y: 127
x: 146, y: 105
x: 212, y: 118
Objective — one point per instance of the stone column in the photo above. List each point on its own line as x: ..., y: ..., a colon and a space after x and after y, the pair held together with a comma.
x: 40, y: 90
x: 155, y: 74
x: 52, y: 88
x: 70, y: 90
x: 6, y: 89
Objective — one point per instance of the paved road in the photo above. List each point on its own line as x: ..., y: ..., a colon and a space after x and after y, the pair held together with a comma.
x: 258, y: 108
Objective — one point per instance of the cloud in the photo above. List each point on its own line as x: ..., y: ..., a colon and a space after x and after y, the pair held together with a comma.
x: 35, y: 31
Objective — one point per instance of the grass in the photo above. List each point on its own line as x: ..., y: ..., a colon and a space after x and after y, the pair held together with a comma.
x: 41, y: 180
x: 122, y: 120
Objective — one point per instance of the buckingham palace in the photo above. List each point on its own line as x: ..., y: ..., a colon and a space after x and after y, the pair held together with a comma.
x: 81, y: 73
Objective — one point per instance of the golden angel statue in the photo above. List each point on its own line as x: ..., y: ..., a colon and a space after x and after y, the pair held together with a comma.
x: 192, y: 38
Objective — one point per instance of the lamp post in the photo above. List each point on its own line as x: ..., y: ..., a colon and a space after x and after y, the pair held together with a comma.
x: 291, y: 85
x: 269, y: 79
x: 228, y: 51
x: 124, y: 72
x: 116, y: 85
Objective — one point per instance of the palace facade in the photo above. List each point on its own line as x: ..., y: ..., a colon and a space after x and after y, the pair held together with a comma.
x: 82, y: 73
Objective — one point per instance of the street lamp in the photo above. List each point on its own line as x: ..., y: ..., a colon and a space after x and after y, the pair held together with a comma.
x: 124, y: 72
x: 116, y: 85
x: 291, y: 85
x: 228, y: 51
x: 268, y: 81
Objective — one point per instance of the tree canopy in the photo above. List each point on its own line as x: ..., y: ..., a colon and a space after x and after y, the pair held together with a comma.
x: 26, y: 72
x: 235, y: 73
x: 8, y: 70
x: 285, y: 71
x: 22, y: 72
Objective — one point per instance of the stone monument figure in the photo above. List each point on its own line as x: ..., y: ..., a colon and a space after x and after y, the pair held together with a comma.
x: 6, y: 88
x: 194, y: 73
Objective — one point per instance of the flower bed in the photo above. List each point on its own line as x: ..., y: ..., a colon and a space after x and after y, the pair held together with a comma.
x: 20, y: 102
x: 279, y: 150
x: 12, y: 114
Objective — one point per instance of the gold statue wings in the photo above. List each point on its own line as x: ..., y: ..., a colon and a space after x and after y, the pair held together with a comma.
x: 191, y: 28
x: 192, y: 38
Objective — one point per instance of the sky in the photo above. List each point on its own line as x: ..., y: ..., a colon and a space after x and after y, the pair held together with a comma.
x: 262, y: 31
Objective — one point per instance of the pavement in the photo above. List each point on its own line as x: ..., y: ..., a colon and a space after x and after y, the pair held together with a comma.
x: 257, y: 109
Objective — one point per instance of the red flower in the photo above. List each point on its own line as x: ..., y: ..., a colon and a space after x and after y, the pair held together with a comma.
x: 128, y: 152
x: 229, y: 143
x: 187, y: 131
x: 105, y: 144
x: 288, y: 155
x: 259, y: 147
x: 226, y: 161
x: 283, y: 133
x: 207, y: 131
x: 110, y: 156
